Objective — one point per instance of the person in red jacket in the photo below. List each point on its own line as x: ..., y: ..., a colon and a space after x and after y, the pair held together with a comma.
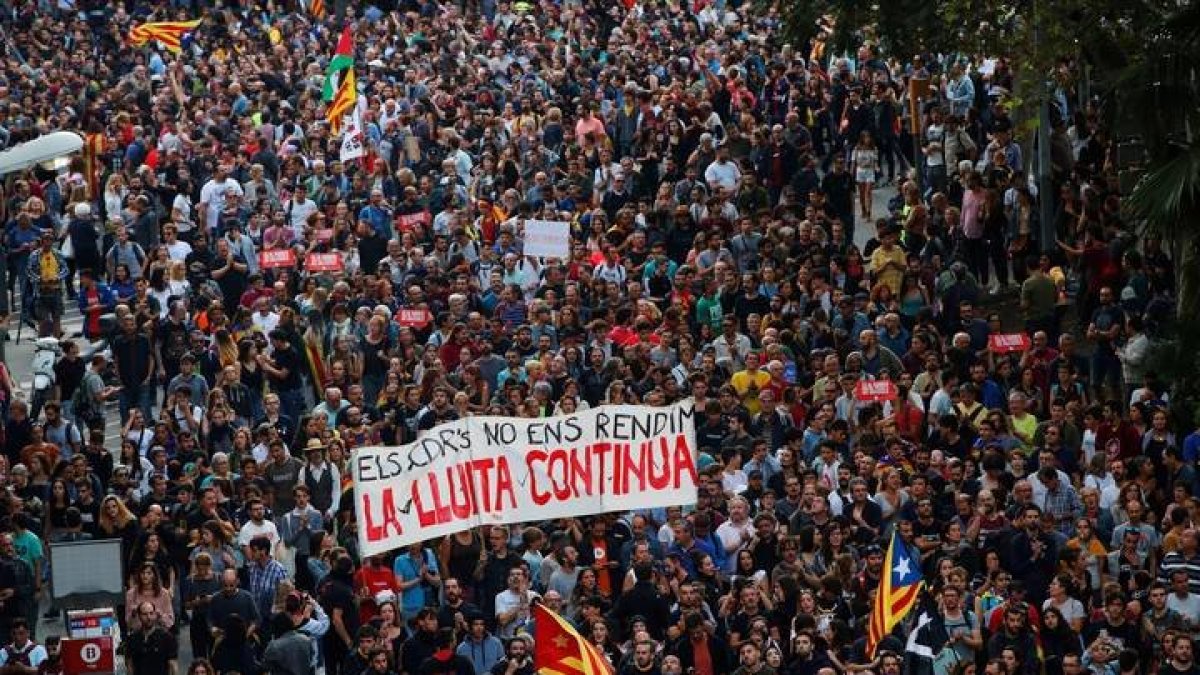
x: 374, y: 578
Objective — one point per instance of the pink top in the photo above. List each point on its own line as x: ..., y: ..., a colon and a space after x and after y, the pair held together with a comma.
x: 972, y: 223
x: 161, y: 602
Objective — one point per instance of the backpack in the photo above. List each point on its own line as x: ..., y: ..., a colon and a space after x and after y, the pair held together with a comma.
x: 85, y: 409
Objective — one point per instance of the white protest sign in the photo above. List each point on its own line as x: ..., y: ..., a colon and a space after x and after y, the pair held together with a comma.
x: 548, y: 239
x: 352, y: 137
x: 502, y: 470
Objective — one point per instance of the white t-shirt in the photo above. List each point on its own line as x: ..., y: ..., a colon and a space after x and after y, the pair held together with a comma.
x: 179, y: 250
x: 727, y: 175
x: 734, y: 482
x: 300, y: 211
x: 730, y: 535
x: 1088, y: 444
x: 213, y: 195
x: 250, y: 532
x: 1188, y: 606
x: 506, y: 601
x: 1071, y: 610
x: 265, y: 324
x: 183, y: 204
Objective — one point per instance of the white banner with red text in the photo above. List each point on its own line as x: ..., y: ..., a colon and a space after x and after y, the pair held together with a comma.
x: 504, y: 470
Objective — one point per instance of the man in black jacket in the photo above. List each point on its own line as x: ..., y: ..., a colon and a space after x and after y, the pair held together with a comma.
x: 645, y: 602
x: 1034, y: 554
x: 152, y: 649
x: 421, y: 646
x: 1015, y: 635
x: 444, y: 660
x: 698, y: 638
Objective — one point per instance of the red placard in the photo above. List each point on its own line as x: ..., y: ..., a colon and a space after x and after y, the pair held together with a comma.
x: 875, y: 390
x: 1008, y: 342
x: 323, y: 235
x: 87, y: 655
x: 409, y: 221
x: 277, y: 258
x: 413, y: 318
x: 323, y: 262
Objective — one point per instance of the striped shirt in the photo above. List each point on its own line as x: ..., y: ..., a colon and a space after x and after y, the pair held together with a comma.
x: 264, y: 581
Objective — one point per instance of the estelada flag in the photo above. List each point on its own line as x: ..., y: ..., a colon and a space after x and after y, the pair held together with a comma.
x: 899, y: 586
x: 169, y: 33
x: 559, y: 649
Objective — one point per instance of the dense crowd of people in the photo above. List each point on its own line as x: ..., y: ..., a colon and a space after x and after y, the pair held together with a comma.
x: 719, y: 185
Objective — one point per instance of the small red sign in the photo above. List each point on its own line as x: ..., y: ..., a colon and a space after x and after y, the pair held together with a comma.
x: 875, y: 390
x: 1008, y: 342
x: 277, y: 258
x: 323, y: 262
x: 87, y: 655
x: 409, y: 221
x: 413, y: 318
x: 323, y: 235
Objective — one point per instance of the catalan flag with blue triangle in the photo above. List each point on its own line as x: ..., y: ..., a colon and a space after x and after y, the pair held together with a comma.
x: 900, y: 586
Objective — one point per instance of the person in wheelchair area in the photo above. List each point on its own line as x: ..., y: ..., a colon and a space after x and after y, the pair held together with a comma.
x: 46, y: 273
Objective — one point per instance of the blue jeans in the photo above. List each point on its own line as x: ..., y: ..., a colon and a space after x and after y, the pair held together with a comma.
x: 140, y: 396
x: 1106, y: 370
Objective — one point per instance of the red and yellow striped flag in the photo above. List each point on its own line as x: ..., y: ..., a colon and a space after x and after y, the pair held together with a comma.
x: 343, y: 101
x: 317, y: 9
x: 559, y: 649
x: 169, y: 33
x: 94, y: 147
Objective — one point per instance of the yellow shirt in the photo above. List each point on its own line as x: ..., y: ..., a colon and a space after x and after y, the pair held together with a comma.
x: 1026, y: 428
x: 49, y: 266
x: 748, y: 385
x: 893, y: 276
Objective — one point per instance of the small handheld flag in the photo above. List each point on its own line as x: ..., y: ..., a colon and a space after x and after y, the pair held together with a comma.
x: 899, y: 586
x: 168, y: 33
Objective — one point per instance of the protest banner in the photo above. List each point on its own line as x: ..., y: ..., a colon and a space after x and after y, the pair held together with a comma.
x: 875, y: 390
x: 323, y: 262
x: 284, y: 257
x: 547, y: 239
x: 1009, y: 342
x: 414, y: 318
x: 503, y: 470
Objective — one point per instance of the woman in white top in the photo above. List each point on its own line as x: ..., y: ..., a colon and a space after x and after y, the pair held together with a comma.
x: 864, y: 164
x: 114, y: 194
x: 1060, y: 598
x: 138, y: 433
